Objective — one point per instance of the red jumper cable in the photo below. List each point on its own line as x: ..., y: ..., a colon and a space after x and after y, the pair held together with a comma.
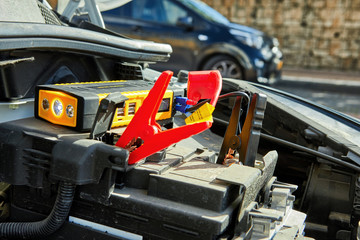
x: 201, y: 85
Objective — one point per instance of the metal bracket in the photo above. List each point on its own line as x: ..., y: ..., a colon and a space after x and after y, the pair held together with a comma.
x: 90, y: 7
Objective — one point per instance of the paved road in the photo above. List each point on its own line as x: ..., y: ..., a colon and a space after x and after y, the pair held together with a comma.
x: 343, y: 95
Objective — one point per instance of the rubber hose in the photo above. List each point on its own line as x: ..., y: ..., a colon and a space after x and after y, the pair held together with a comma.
x: 47, y: 226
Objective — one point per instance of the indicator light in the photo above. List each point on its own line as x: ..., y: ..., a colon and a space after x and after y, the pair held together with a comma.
x: 69, y: 111
x: 57, y: 107
x: 45, y: 104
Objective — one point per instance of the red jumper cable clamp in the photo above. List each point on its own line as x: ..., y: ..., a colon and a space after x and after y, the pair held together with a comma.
x: 201, y: 85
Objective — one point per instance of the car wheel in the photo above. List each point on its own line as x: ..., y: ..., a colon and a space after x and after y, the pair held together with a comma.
x: 227, y: 66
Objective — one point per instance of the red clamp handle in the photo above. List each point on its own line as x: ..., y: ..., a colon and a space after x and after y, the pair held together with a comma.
x: 204, y: 85
x: 201, y: 85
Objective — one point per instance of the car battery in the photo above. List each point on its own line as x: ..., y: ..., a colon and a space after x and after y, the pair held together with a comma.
x: 173, y: 197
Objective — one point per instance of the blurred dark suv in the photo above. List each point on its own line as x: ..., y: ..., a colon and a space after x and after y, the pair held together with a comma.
x: 201, y: 38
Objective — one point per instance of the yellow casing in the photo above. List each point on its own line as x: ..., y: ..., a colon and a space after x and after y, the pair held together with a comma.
x: 49, y: 113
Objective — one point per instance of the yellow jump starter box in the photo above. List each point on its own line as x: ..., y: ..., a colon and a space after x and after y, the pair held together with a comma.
x: 75, y: 104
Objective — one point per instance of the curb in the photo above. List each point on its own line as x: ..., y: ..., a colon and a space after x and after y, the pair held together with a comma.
x: 324, y: 84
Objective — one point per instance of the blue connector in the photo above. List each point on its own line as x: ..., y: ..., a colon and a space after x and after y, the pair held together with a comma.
x: 182, y: 104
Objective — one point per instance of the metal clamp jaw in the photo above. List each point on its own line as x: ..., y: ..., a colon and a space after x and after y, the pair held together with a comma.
x: 246, y: 143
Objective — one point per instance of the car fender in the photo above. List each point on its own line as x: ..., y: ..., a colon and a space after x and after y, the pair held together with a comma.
x: 226, y: 49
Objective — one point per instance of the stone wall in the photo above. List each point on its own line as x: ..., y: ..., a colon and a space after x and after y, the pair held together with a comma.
x: 317, y: 34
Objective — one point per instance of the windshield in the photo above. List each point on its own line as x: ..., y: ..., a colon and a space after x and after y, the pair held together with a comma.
x: 205, y: 11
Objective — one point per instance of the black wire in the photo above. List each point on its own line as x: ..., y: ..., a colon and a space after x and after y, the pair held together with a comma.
x: 304, y: 149
x: 221, y: 97
x: 43, y: 228
x: 310, y: 151
x: 235, y: 94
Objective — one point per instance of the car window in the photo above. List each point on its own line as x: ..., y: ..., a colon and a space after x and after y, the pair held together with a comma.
x: 174, y: 12
x: 205, y: 11
x: 125, y: 11
x: 160, y: 11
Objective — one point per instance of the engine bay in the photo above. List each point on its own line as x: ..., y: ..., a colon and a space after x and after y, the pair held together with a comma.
x: 229, y: 159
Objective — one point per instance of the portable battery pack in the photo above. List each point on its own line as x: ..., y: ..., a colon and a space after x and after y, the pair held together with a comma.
x: 75, y: 104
